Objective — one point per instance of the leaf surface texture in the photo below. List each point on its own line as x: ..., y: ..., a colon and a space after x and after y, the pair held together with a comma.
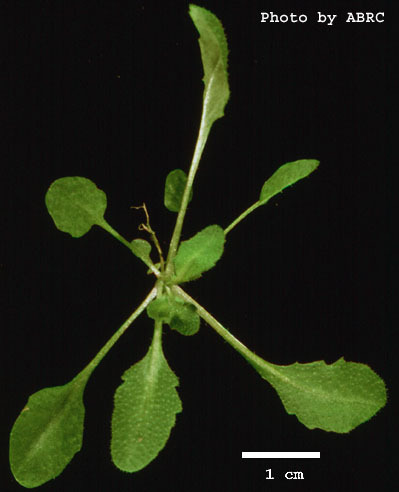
x: 174, y: 189
x: 145, y: 409
x: 214, y: 51
x: 199, y: 254
x: 334, y: 397
x: 47, y: 433
x: 286, y: 175
x: 75, y: 204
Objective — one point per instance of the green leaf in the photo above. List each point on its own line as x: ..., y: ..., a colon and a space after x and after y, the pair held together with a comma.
x: 214, y: 53
x: 199, y: 254
x: 76, y: 204
x: 333, y: 397
x: 47, y: 433
x: 174, y: 188
x: 185, y: 318
x: 142, y: 249
x: 286, y: 175
x: 145, y: 410
x: 160, y: 309
x: 174, y: 311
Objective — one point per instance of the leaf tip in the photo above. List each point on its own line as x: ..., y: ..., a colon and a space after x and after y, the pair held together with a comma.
x: 201, y: 17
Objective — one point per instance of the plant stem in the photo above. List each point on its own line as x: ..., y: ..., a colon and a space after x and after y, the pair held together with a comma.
x: 115, y: 337
x: 224, y: 333
x: 199, y: 147
x: 242, y: 216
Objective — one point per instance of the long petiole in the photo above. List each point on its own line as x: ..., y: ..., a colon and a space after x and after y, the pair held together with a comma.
x: 157, y: 337
x: 242, y: 216
x: 115, y: 337
x: 221, y: 330
x: 120, y: 238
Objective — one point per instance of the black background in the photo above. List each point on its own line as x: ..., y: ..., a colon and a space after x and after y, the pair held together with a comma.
x: 112, y: 91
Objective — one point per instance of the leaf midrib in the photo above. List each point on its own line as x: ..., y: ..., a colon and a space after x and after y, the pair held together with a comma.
x: 319, y: 393
x: 54, y: 421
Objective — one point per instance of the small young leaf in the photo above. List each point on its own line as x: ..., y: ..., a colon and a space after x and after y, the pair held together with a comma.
x: 142, y: 249
x: 286, y: 175
x: 185, y: 318
x: 160, y: 309
x: 174, y: 311
x: 145, y: 409
x: 199, y: 254
x: 333, y: 397
x: 214, y: 53
x: 75, y: 204
x: 47, y: 433
x: 174, y: 189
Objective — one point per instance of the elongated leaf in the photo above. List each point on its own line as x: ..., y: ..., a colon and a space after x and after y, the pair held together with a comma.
x: 174, y: 188
x: 142, y: 249
x: 75, y: 204
x: 214, y: 53
x: 199, y: 254
x: 286, y: 175
x: 145, y: 410
x: 334, y: 397
x: 178, y: 314
x: 47, y: 433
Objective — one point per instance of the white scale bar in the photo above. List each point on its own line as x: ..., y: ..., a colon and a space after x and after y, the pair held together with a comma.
x: 280, y: 454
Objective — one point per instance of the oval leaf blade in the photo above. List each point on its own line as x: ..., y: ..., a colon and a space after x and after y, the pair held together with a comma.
x: 75, y: 204
x: 286, y: 175
x: 333, y: 397
x: 47, y: 433
x: 214, y: 53
x: 174, y: 188
x: 199, y: 254
x: 142, y: 249
x: 145, y: 409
